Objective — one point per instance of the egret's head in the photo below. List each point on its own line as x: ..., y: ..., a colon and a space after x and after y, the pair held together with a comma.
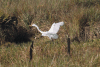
x: 30, y: 25
x: 33, y: 24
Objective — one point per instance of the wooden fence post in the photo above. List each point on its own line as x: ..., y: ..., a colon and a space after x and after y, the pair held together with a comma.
x: 68, y: 42
x: 31, y: 50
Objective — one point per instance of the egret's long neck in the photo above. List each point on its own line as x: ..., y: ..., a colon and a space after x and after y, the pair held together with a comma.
x: 38, y: 28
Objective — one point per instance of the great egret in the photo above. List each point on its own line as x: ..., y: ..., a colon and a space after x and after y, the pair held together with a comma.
x: 52, y: 33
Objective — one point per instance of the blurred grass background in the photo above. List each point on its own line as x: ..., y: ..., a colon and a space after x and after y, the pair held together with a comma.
x: 82, y: 20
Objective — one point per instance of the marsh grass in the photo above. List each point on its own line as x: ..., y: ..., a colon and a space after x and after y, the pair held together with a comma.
x: 48, y: 55
x: 75, y: 13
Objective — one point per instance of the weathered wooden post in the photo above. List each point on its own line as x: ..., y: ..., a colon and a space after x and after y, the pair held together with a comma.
x: 31, y: 50
x: 68, y: 43
x: 68, y: 49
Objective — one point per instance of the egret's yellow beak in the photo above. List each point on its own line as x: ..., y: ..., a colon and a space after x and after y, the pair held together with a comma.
x: 30, y: 25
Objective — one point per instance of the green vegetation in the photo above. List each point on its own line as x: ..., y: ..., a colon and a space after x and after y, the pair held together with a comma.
x: 16, y: 36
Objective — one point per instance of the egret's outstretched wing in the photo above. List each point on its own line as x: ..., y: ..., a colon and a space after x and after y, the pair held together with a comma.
x: 55, y: 27
x: 52, y: 27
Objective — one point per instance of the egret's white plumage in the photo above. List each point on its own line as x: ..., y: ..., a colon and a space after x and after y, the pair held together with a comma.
x: 52, y: 33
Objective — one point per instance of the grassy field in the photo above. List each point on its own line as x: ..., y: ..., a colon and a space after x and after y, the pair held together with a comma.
x: 47, y: 54
x: 76, y: 14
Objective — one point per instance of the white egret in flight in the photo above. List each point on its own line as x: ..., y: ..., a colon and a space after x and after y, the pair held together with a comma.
x: 52, y: 33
